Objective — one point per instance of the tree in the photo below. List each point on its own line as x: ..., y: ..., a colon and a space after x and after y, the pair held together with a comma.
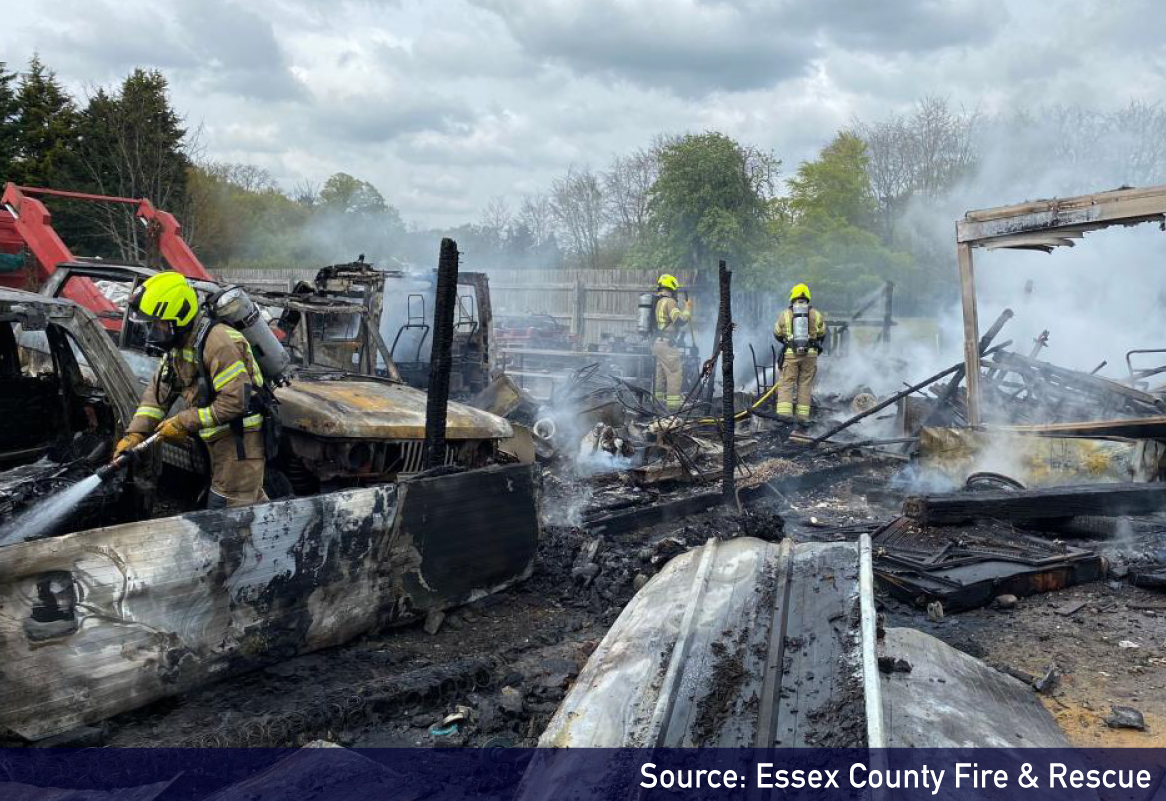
x: 537, y: 216
x: 710, y: 200
x: 343, y: 194
x: 825, y: 230
x: 496, y: 219
x: 836, y: 184
x: 577, y: 207
x: 627, y: 185
x: 46, y: 130
x: 925, y: 154
x: 133, y: 144
x: 9, y: 123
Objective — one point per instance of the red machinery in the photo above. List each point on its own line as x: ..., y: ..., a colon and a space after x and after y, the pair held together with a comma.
x: 25, y: 222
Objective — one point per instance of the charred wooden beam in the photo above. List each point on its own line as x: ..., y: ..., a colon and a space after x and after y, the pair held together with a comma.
x: 878, y: 407
x: 1037, y: 504
x: 445, y: 297
x: 728, y: 429
x: 949, y: 392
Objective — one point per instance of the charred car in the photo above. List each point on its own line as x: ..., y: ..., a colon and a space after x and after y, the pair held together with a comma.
x: 139, y: 595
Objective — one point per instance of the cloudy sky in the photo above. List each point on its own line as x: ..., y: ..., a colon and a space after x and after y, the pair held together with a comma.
x: 444, y: 104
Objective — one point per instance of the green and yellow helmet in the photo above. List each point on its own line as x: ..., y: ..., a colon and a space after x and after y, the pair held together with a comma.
x: 668, y: 282
x: 166, y: 304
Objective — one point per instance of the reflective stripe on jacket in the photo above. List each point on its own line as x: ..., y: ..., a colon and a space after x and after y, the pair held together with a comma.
x: 231, y: 369
x: 669, y: 315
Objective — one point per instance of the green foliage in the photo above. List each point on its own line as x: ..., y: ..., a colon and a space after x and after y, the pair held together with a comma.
x: 825, y: 229
x: 836, y: 184
x: 9, y: 122
x: 46, y: 130
x: 240, y: 218
x: 708, y: 202
x: 131, y: 144
x: 343, y: 194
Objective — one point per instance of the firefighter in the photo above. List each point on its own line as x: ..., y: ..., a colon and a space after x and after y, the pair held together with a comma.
x: 670, y: 321
x: 210, y: 365
x: 801, y: 329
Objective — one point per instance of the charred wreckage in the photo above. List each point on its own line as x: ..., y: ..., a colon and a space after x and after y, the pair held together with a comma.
x: 723, y: 577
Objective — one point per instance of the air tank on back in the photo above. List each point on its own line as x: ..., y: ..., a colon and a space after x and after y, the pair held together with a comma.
x: 233, y: 307
x: 644, y: 313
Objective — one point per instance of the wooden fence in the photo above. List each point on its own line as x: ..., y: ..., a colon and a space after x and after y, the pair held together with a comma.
x: 592, y: 303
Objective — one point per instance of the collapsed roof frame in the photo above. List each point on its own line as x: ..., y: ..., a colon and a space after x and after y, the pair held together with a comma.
x: 1039, y: 225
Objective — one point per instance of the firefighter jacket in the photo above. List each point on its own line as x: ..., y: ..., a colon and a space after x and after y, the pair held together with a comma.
x: 231, y: 372
x: 783, y: 328
x: 670, y: 318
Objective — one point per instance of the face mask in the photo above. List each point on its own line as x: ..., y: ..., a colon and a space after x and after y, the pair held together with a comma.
x: 161, y: 334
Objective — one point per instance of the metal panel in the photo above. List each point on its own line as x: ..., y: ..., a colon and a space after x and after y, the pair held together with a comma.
x: 738, y: 643
x: 106, y: 620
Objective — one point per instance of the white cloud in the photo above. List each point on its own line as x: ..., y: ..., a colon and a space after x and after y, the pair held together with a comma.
x: 445, y: 104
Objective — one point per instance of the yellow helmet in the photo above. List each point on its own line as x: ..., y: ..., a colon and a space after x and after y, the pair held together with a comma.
x: 799, y: 291
x: 166, y: 303
x: 668, y: 282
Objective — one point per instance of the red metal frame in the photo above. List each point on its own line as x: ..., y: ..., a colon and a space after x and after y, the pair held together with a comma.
x: 25, y: 222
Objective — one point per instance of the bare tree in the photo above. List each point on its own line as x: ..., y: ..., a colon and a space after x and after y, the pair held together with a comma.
x: 538, y: 216
x: 925, y: 154
x: 496, y: 217
x: 306, y: 192
x: 627, y: 184
x: 577, y: 205
x: 761, y: 170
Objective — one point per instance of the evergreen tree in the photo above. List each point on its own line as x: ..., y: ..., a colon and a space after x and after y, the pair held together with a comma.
x: 8, y: 122
x: 133, y: 145
x: 46, y: 130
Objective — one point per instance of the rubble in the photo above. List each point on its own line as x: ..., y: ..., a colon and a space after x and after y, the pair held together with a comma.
x: 1035, y: 504
x: 1125, y: 717
x: 646, y: 517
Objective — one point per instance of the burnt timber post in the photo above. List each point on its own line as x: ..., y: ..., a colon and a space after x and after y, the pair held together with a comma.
x: 971, y: 333
x: 728, y: 431
x: 888, y: 312
x: 439, y: 355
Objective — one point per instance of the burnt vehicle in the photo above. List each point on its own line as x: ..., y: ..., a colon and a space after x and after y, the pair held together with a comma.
x: 65, y: 393
x: 348, y: 418
x: 162, y: 598
x: 533, y: 331
x: 402, y: 302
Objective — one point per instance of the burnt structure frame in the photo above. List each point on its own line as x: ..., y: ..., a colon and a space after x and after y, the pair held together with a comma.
x: 1038, y: 225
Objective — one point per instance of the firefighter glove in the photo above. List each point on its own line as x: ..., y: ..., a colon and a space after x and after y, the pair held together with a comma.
x: 126, y: 443
x: 172, y: 430
x: 688, y: 305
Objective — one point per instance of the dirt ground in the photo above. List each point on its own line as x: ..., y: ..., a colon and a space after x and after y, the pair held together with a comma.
x: 1085, y: 643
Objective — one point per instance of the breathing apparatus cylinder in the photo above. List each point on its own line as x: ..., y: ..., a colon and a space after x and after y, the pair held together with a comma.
x: 644, y: 313
x: 800, y: 326
x: 233, y: 307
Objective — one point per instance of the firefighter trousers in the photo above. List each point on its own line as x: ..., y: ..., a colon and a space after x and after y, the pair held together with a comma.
x: 796, y: 384
x: 236, y: 481
x: 669, y: 373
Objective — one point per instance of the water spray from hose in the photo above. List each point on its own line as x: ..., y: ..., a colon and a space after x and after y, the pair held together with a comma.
x: 40, y: 519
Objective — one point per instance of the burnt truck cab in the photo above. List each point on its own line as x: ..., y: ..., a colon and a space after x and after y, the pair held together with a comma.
x: 349, y: 419
x: 402, y: 302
